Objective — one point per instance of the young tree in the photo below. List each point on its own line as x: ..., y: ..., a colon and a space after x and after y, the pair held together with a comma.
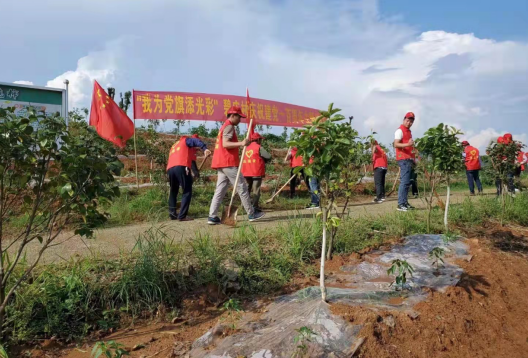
x: 54, y: 176
x: 284, y: 134
x: 442, y: 150
x: 330, y: 145
x: 503, y: 159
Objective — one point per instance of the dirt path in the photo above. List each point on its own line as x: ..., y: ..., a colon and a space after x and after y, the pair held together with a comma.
x: 110, y: 242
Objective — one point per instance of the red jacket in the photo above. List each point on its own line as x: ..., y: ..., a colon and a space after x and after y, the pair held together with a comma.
x: 252, y: 164
x: 295, y: 161
x: 379, y: 158
x: 407, y: 152
x: 222, y: 157
x: 180, y: 154
x: 472, y: 160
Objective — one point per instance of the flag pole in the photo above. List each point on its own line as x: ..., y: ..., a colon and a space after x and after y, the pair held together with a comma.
x: 135, y: 147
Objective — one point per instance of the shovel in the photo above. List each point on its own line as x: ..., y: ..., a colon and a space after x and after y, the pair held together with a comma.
x: 277, y: 193
x: 203, y: 162
x: 229, y: 215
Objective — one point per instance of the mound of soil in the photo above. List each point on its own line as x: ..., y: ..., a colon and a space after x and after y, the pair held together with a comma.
x: 486, y: 315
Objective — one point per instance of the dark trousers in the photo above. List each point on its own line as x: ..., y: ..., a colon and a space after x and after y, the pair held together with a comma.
x: 254, y: 185
x: 180, y: 176
x: 379, y: 181
x: 511, y: 186
x: 295, y: 182
x: 473, y: 177
x: 414, y: 182
x: 195, y: 171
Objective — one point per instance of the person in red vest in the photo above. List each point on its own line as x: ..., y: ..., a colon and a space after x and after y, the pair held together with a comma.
x: 179, y: 172
x: 295, y: 161
x: 380, y: 164
x: 194, y: 167
x: 473, y: 166
x: 521, y: 161
x: 254, y: 167
x: 225, y: 161
x: 504, y: 140
x: 404, y: 145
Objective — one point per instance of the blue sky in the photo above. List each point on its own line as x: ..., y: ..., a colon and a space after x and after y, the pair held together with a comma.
x: 498, y: 19
x: 463, y: 63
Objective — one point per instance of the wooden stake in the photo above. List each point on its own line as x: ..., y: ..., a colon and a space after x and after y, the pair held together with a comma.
x: 135, y: 155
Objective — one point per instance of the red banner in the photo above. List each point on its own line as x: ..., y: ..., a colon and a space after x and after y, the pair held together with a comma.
x: 213, y: 107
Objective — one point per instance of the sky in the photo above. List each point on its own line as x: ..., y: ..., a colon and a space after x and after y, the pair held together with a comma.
x: 462, y: 63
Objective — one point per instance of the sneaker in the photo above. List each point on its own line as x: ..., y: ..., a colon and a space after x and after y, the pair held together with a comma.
x: 173, y: 216
x: 402, y: 208
x: 382, y: 199
x: 258, y: 210
x: 415, y: 196
x: 409, y: 207
x: 313, y: 206
x: 377, y: 201
x: 471, y: 194
x: 257, y: 215
x: 213, y: 220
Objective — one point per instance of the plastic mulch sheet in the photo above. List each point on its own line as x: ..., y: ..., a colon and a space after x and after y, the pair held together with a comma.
x: 365, y: 284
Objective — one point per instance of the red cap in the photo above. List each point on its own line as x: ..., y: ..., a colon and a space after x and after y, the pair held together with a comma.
x: 255, y: 136
x: 409, y: 115
x: 236, y: 110
x: 465, y: 143
x: 195, y: 136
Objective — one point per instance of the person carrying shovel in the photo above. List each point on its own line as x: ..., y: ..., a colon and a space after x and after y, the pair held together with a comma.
x: 254, y: 167
x: 226, y: 162
x: 179, y: 172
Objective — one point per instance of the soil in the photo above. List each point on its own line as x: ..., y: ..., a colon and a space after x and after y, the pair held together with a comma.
x: 485, y: 315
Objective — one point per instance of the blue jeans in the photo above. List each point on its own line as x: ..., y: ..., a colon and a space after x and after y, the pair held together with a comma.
x: 406, y: 167
x: 314, y: 187
x: 473, y: 177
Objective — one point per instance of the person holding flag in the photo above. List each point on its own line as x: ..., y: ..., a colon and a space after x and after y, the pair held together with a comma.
x: 254, y: 167
x: 226, y: 161
x: 179, y: 171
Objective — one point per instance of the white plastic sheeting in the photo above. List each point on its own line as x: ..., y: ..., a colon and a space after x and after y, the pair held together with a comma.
x: 365, y: 284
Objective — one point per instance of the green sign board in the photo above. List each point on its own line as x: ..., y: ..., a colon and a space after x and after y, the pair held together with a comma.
x: 47, y: 100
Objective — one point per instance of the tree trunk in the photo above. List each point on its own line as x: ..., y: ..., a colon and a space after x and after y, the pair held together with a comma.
x: 333, y: 233
x: 323, y: 251
x: 447, y: 208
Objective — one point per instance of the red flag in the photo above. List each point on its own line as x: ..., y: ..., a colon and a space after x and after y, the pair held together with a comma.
x: 250, y: 115
x: 110, y: 121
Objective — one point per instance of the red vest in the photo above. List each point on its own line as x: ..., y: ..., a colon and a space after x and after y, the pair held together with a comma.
x: 295, y: 161
x: 252, y: 164
x: 379, y: 158
x: 225, y: 158
x: 180, y: 154
x: 521, y: 159
x: 407, y: 152
x: 472, y: 158
x: 193, y: 153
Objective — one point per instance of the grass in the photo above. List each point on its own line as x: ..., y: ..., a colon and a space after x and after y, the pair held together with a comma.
x: 71, y: 300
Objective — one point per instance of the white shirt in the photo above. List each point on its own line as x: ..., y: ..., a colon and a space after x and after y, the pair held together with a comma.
x: 398, y: 135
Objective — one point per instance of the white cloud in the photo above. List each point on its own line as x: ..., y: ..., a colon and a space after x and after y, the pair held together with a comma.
x: 309, y: 53
x: 29, y: 83
x: 101, y: 66
x: 485, y: 136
